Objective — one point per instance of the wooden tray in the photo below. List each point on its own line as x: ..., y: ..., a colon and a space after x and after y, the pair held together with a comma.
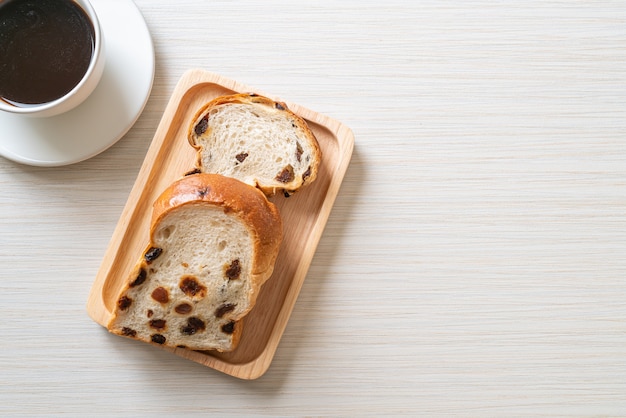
x: 304, y: 218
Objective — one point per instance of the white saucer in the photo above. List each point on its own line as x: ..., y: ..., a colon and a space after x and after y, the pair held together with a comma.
x: 110, y: 111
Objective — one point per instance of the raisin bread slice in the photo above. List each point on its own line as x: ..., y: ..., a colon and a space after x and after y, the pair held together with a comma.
x: 256, y: 140
x: 213, y: 243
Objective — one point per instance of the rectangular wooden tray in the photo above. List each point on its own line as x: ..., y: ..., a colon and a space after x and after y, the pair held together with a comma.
x: 304, y: 217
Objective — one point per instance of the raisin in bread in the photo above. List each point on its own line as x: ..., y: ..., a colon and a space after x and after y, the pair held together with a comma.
x: 213, y: 243
x: 256, y: 140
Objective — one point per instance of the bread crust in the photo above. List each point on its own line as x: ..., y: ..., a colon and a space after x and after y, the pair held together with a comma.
x: 273, y: 106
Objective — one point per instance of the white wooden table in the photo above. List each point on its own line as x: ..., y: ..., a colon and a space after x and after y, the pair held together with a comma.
x: 474, y: 263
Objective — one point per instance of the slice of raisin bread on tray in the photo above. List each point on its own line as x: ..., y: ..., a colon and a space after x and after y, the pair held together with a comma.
x: 256, y: 140
x: 213, y: 243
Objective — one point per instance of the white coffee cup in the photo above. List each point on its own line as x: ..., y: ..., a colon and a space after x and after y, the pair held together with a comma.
x: 80, y: 91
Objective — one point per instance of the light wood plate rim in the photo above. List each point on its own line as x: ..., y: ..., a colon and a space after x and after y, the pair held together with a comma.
x: 337, y: 155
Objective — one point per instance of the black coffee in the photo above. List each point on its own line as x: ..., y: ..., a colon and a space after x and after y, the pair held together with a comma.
x: 45, y: 49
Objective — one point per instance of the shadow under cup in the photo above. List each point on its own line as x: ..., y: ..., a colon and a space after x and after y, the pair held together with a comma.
x: 51, y: 55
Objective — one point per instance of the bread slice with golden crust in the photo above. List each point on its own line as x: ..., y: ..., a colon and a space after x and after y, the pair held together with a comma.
x: 213, y: 243
x: 256, y: 140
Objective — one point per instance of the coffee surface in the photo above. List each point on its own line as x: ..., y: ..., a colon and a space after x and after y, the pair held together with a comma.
x: 45, y: 49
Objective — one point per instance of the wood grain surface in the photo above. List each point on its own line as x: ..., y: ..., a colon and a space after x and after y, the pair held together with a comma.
x: 473, y: 263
